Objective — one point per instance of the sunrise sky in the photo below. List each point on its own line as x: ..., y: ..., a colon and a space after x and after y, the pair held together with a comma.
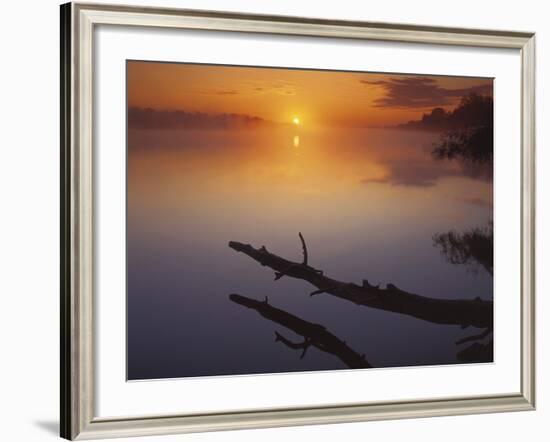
x: 316, y: 98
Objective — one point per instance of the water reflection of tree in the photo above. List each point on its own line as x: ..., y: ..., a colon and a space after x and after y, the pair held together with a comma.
x: 473, y: 248
x: 471, y: 144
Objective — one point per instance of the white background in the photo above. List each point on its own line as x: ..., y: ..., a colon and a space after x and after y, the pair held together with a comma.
x: 29, y: 236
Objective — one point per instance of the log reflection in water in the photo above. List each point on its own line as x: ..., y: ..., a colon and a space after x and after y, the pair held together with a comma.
x: 314, y: 334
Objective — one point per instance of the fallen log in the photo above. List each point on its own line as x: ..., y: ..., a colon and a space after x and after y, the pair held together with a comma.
x: 463, y: 312
x: 314, y: 334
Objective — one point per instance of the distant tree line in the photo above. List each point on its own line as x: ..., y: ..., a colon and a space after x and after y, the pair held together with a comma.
x: 147, y: 118
x: 473, y: 110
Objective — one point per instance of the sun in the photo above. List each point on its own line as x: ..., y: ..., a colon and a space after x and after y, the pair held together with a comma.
x: 296, y: 121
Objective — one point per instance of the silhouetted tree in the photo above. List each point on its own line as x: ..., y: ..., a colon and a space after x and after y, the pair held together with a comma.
x: 473, y: 110
x: 438, y: 117
x: 471, y: 140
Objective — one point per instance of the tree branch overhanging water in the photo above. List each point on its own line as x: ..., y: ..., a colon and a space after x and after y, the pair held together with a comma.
x: 474, y: 312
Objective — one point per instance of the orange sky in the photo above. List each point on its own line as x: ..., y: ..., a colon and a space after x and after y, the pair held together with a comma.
x: 318, y: 98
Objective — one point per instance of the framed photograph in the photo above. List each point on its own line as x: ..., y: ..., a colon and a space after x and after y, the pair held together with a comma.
x: 273, y: 221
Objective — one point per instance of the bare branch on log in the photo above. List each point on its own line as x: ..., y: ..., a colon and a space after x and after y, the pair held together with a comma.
x: 325, y: 290
x: 475, y: 337
x: 314, y: 334
x: 304, y: 248
x: 477, y: 313
x: 477, y: 352
x: 280, y: 273
x: 294, y: 345
x: 367, y: 285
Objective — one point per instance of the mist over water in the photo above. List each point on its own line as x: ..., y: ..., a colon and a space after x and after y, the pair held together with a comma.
x: 368, y: 202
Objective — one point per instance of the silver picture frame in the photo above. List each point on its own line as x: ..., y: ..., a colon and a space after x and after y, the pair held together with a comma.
x: 78, y: 21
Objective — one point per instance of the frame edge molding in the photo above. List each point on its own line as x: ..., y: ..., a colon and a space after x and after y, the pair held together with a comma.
x: 77, y: 421
x: 65, y: 236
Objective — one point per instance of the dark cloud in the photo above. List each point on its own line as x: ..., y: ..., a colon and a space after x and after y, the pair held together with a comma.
x: 233, y: 92
x: 218, y: 92
x: 140, y: 118
x: 376, y: 180
x: 278, y: 87
x: 420, y: 92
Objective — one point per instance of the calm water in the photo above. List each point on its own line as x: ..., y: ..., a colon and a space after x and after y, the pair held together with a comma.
x: 368, y: 203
